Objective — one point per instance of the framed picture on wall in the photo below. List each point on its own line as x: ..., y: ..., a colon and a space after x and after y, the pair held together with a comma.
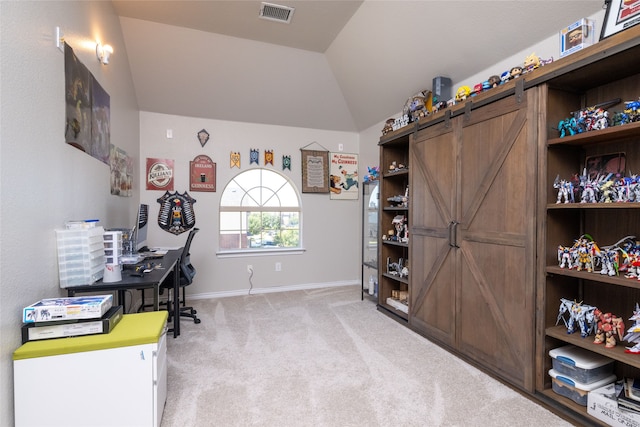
x: 620, y: 15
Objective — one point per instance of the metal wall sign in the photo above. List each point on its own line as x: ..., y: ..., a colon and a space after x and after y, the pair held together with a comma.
x: 202, y: 176
x: 176, y: 213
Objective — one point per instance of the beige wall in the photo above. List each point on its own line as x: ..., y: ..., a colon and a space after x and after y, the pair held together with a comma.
x: 44, y: 181
x: 330, y: 228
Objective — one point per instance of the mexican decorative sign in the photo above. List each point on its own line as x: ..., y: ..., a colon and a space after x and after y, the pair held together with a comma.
x: 202, y: 174
x: 176, y: 213
x: 160, y: 174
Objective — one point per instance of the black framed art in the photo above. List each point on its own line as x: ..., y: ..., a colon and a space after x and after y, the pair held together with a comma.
x: 620, y: 15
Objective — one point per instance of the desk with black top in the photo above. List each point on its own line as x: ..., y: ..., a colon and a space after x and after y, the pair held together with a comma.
x: 152, y: 280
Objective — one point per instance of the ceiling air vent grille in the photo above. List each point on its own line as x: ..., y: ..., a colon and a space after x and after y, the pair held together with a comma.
x: 276, y: 12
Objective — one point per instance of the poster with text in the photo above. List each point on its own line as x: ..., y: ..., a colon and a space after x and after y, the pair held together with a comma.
x: 343, y: 176
x: 160, y: 174
x: 202, y: 175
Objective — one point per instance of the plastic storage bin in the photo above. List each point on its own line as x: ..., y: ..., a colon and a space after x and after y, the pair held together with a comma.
x: 580, y: 364
x: 574, y: 390
x: 80, y: 256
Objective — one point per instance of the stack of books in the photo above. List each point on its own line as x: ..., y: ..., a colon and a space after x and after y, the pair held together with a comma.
x: 69, y: 317
x: 629, y: 396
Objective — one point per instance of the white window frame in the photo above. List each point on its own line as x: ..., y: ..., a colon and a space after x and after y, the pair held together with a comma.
x: 224, y: 253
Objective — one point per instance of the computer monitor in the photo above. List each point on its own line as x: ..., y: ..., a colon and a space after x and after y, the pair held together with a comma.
x: 142, y: 225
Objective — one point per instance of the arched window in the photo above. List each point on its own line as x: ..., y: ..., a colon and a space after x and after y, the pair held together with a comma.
x: 259, y: 209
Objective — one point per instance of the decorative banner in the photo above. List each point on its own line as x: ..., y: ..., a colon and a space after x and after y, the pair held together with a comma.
x: 176, y: 213
x: 234, y: 160
x: 254, y: 156
x: 203, y: 137
x: 344, y: 176
x: 286, y: 162
x: 121, y: 172
x: 160, y: 174
x: 203, y: 174
x: 315, y: 171
x: 268, y: 157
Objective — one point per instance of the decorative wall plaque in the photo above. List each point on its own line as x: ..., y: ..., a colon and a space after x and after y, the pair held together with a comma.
x: 202, y: 174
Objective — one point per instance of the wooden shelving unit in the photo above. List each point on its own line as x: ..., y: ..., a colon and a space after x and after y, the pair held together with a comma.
x: 562, y: 223
x: 394, y: 149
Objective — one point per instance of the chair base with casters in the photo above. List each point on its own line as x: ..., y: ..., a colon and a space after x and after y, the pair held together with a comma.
x: 186, y: 274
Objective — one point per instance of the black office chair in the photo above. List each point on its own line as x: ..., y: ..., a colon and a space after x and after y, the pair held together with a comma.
x: 187, y: 273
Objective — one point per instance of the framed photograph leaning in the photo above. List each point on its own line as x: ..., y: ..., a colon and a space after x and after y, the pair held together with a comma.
x: 620, y: 15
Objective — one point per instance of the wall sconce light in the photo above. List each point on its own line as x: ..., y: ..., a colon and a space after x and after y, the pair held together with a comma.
x: 103, y: 52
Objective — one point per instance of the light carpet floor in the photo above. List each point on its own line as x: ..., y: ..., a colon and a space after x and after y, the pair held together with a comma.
x: 323, y: 357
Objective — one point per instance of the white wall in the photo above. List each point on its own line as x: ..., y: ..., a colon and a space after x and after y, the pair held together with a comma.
x: 330, y: 228
x: 44, y: 181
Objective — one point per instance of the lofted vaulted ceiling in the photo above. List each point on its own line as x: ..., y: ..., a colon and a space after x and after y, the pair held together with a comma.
x: 339, y: 65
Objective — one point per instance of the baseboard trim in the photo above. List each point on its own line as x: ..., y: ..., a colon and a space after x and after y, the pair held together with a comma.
x: 254, y: 291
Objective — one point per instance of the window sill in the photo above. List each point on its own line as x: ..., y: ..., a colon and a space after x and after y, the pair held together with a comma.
x: 259, y: 252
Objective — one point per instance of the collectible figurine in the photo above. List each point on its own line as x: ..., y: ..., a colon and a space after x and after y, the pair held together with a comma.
x: 578, y: 313
x: 565, y: 190
x: 564, y: 257
x: 463, y: 93
x: 515, y: 72
x: 610, y: 329
x: 531, y: 62
x: 633, y: 335
x: 476, y: 89
x: 494, y: 81
x: 388, y: 126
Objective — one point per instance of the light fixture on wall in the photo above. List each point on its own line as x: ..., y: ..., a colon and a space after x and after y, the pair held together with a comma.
x: 103, y: 52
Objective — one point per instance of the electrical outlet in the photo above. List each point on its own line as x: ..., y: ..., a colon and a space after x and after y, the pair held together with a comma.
x: 249, y: 268
x: 278, y: 266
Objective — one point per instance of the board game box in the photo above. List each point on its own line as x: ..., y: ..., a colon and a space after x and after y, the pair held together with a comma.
x: 51, y: 309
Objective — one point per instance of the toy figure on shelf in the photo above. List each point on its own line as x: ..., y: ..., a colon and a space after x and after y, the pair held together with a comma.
x: 373, y: 173
x: 564, y: 257
x: 515, y: 72
x: 400, y: 201
x: 397, y: 268
x: 494, y: 81
x: 574, y: 313
x: 531, y: 62
x: 610, y: 329
x: 388, y: 126
x: 401, y: 231
x: 396, y: 167
x: 565, y: 190
x: 633, y: 334
x: 463, y: 93
x: 584, y: 260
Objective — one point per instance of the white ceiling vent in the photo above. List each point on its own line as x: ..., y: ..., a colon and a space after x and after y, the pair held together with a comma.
x: 276, y: 12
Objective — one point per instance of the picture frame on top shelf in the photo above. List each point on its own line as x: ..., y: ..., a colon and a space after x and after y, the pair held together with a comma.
x: 620, y: 15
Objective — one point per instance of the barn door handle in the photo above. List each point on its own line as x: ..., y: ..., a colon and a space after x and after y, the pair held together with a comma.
x: 453, y: 234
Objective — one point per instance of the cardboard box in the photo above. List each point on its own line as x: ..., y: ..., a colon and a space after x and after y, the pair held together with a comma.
x: 51, y: 309
x: 577, y: 36
x: 603, y: 405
